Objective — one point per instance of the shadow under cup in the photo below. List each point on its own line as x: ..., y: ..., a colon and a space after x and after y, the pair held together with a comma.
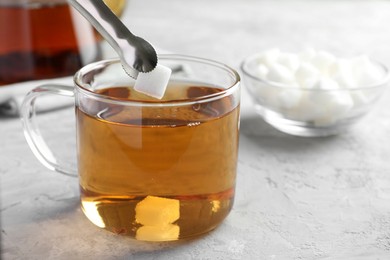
x: 158, y: 170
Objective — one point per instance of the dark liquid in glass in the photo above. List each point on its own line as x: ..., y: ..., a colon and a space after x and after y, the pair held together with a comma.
x: 40, y: 41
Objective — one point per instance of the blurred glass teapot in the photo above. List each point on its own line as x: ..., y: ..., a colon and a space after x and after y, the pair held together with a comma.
x: 43, y: 39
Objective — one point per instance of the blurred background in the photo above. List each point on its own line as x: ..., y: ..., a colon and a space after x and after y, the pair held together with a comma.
x: 44, y: 39
x: 40, y: 40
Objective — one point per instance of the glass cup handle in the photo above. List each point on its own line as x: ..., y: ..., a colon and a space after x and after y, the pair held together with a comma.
x: 31, y: 131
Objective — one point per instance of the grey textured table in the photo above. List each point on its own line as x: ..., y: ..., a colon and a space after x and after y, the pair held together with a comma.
x: 297, y: 198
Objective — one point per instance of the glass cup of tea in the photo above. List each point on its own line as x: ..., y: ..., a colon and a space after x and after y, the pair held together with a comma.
x: 155, y: 170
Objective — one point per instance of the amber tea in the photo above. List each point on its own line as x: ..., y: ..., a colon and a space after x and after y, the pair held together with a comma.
x: 159, y: 175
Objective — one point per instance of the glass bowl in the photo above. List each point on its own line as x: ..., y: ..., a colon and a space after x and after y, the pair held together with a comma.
x: 310, y: 112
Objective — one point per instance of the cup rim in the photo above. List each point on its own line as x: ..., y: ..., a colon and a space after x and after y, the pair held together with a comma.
x: 152, y: 103
x: 246, y: 72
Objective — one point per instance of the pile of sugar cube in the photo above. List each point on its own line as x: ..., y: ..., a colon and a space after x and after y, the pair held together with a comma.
x: 339, y: 81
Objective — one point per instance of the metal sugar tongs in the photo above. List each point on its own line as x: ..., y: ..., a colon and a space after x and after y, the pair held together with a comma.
x: 136, y: 54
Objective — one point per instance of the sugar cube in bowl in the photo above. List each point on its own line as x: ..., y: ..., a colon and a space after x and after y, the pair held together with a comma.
x: 313, y: 92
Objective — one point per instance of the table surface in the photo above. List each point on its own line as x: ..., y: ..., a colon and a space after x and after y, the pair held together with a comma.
x: 296, y: 198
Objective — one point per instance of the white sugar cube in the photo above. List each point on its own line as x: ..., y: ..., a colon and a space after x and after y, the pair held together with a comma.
x: 153, y: 83
x: 307, y: 55
x: 360, y: 98
x: 333, y: 103
x: 289, y: 60
x: 341, y: 103
x: 309, y: 83
x: 268, y: 57
x: 157, y: 211
x: 341, y: 72
x: 326, y: 83
x: 330, y: 105
x: 262, y: 71
x: 366, y: 72
x: 279, y: 73
x: 289, y: 98
x: 267, y: 95
x: 158, y: 233
x: 306, y: 110
x: 306, y: 73
x: 323, y: 61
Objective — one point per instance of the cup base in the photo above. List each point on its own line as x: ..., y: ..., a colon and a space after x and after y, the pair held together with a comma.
x: 157, y: 219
